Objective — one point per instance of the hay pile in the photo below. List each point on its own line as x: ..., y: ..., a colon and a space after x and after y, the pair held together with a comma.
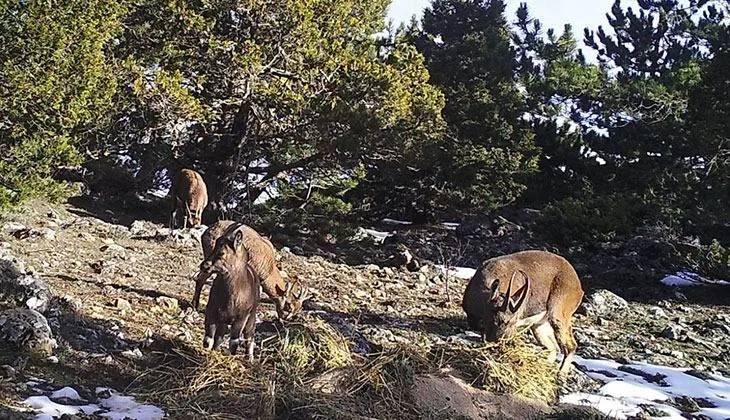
x: 309, y: 371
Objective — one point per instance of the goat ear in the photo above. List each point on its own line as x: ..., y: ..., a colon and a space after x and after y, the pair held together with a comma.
x: 521, y: 294
x: 238, y: 239
x: 494, y: 289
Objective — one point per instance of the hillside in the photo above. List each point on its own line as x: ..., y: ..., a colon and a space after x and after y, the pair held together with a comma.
x: 375, y: 339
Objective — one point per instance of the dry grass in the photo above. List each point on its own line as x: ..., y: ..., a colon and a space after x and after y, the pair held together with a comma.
x: 308, y: 370
x: 510, y: 366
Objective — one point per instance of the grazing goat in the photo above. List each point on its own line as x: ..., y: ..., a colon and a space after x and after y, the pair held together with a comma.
x: 234, y: 296
x: 189, y: 195
x: 263, y: 262
x: 530, y: 288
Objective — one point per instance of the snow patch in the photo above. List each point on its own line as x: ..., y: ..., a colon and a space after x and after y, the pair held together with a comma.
x: 376, y: 235
x: 686, y: 279
x: 109, y: 404
x: 66, y: 392
x: 123, y: 407
x: 396, y: 222
x: 465, y: 273
x: 451, y: 225
x: 44, y: 406
x: 630, y: 387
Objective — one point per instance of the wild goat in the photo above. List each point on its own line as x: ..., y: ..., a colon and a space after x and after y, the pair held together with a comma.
x: 234, y: 296
x: 530, y: 288
x: 263, y: 262
x: 189, y: 195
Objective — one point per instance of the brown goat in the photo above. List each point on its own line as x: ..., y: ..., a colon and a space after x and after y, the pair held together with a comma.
x: 189, y: 195
x: 262, y: 260
x: 234, y: 296
x: 530, y: 288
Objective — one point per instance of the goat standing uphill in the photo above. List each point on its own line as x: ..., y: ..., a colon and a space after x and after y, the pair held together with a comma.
x: 234, y: 296
x: 189, y: 195
x: 263, y: 262
x: 530, y: 288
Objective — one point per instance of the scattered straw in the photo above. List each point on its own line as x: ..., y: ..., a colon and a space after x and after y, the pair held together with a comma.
x: 308, y: 370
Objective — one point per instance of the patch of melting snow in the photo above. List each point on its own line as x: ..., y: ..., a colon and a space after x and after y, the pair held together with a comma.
x: 45, y: 407
x: 377, y: 235
x: 396, y: 222
x: 123, y: 407
x: 686, y: 278
x: 465, y: 273
x: 628, y: 388
x: 66, y: 392
x: 451, y: 225
x: 110, y: 404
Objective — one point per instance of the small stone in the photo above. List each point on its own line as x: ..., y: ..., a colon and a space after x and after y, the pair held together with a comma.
x: 52, y: 360
x: 138, y: 228
x: 673, y: 332
x: 11, y: 228
x: 113, y: 249
x: 657, y: 311
x: 86, y: 236
x: 135, y: 354
x: 122, y: 304
x: 7, y: 372
x: 47, y: 234
x: 388, y: 271
x: 171, y: 304
x: 603, y: 302
x: 26, y: 330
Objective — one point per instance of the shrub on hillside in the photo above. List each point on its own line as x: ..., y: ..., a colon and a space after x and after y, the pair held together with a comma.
x: 599, y: 218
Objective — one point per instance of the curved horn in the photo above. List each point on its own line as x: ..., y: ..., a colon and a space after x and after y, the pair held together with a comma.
x: 289, y: 286
x: 523, y: 292
x: 508, y: 295
x: 304, y: 294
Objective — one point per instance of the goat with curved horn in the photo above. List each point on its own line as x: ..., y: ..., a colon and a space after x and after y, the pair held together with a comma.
x: 548, y: 295
x: 262, y: 260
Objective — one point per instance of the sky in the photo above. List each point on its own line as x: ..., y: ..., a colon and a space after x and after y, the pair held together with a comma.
x: 551, y: 13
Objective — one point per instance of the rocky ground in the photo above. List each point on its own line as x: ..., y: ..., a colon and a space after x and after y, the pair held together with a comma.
x: 124, y: 288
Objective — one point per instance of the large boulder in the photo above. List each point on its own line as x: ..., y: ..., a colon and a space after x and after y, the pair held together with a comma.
x: 20, y: 288
x: 26, y: 330
x: 447, y: 395
x: 603, y: 302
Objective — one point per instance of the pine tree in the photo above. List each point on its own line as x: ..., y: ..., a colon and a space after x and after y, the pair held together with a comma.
x: 487, y: 152
x: 56, y: 86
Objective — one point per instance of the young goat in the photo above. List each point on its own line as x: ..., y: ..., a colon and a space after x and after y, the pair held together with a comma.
x: 234, y: 296
x: 263, y: 262
x: 530, y: 288
x: 189, y: 195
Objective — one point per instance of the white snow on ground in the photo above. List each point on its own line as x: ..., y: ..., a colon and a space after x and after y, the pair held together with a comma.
x: 43, y: 405
x: 628, y: 387
x: 685, y: 278
x: 396, y: 222
x: 377, y: 235
x: 123, y: 407
x: 465, y: 273
x: 110, y: 404
x: 66, y: 392
x: 450, y: 225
